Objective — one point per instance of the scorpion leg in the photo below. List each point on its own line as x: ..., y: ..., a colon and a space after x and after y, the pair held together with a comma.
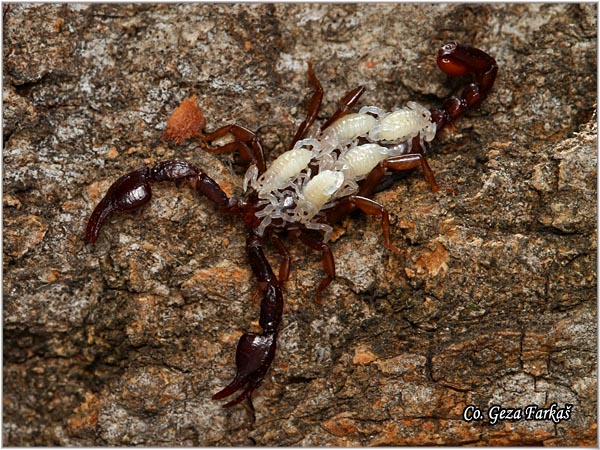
x: 328, y: 260
x: 369, y: 185
x: 347, y: 102
x: 369, y: 207
x: 132, y: 191
x: 314, y: 105
x: 284, y: 268
x: 457, y: 59
x: 255, y: 351
x: 398, y: 163
x: 246, y: 142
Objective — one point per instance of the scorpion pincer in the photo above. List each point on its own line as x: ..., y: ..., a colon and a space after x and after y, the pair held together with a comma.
x: 312, y: 185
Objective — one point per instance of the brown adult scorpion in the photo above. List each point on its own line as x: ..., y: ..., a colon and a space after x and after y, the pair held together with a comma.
x: 312, y: 185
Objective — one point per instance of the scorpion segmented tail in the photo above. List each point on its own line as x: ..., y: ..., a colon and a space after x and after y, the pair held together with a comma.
x: 457, y: 59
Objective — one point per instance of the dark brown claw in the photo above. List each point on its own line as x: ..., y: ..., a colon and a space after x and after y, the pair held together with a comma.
x: 127, y: 193
x: 133, y: 191
x: 253, y: 357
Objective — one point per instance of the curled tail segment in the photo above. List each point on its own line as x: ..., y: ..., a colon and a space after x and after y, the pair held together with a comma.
x: 457, y: 59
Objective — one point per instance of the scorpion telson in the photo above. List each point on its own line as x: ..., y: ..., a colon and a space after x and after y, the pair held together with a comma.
x: 312, y: 185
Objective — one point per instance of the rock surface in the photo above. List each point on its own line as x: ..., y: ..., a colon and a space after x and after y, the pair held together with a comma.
x: 123, y: 343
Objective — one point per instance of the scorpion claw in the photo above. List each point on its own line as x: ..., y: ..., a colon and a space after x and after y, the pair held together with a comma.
x: 253, y: 357
x: 127, y: 193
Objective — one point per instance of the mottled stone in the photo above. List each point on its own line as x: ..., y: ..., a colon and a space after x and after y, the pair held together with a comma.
x: 123, y: 343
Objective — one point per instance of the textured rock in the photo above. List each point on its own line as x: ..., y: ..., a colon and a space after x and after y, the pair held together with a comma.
x: 123, y: 343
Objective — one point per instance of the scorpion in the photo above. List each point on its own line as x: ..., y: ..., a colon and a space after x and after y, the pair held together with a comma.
x: 316, y: 182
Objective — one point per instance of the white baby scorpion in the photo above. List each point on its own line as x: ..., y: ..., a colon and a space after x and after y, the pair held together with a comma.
x: 302, y: 182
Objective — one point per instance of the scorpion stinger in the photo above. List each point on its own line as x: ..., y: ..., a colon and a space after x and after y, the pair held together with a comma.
x: 456, y: 59
x: 306, y: 189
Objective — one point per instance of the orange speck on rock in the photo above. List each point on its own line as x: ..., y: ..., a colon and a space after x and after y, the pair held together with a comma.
x: 51, y: 276
x: 112, y: 153
x: 370, y: 64
x: 379, y: 404
x: 11, y: 201
x: 58, y: 23
x: 221, y: 275
x: 93, y: 191
x: 186, y: 121
x: 409, y: 272
x: 166, y: 399
x: 363, y: 355
x: 434, y: 262
x: 85, y: 416
x: 229, y: 338
x: 340, y: 425
x: 409, y: 225
x: 248, y: 46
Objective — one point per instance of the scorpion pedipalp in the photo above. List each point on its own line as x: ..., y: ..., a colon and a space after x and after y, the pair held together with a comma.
x: 253, y: 357
x: 132, y: 191
x: 129, y: 192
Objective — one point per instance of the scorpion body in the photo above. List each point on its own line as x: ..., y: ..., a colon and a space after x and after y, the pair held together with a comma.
x: 287, y: 189
x: 315, y: 183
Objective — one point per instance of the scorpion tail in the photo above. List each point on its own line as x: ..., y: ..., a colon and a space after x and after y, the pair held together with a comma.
x: 457, y: 59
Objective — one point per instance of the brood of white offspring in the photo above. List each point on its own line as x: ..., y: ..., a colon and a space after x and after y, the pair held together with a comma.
x: 285, y: 168
x: 290, y: 192
x: 357, y: 162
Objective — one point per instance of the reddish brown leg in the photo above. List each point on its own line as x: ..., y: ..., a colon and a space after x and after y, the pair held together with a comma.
x: 313, y: 107
x: 328, y: 261
x: 284, y: 268
x: 399, y: 163
x: 132, y: 191
x: 369, y: 185
x: 371, y: 208
x: 346, y: 103
x: 247, y: 143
